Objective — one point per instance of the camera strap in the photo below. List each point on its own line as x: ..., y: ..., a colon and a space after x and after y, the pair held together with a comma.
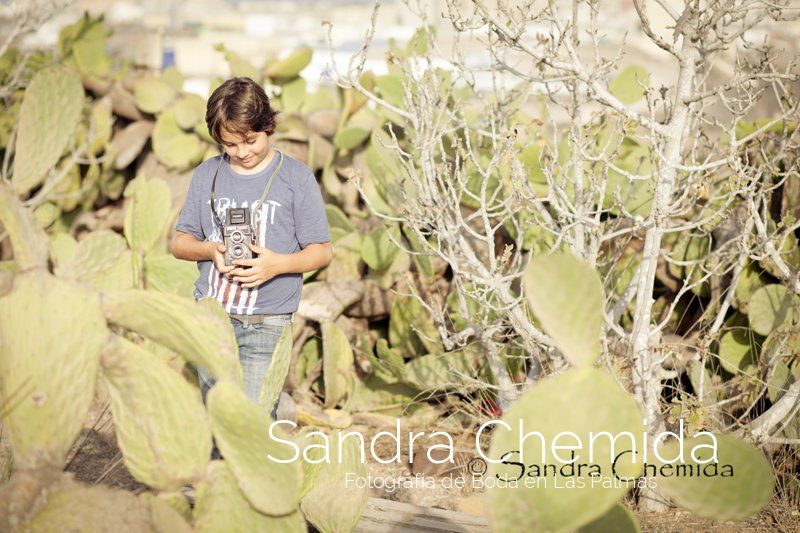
x: 260, y: 201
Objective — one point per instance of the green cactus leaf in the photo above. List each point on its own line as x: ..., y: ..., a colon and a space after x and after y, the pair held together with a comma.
x: 769, y: 307
x: 388, y: 170
x: 46, y: 214
x: 164, y: 518
x: 385, y: 396
x: 68, y: 191
x: 83, y: 45
x: 293, y: 94
x: 153, y: 95
x: 618, y: 519
x: 337, y: 366
x: 323, y: 98
x: 687, y: 247
x: 160, y: 422
x: 174, y: 147
x: 584, y: 402
x: 199, y: 331
x: 636, y: 195
x: 49, y: 363
x: 101, y: 122
x: 292, y: 65
x: 423, y: 262
x: 391, y: 89
x: 174, y: 77
x: 309, y: 436
x: 102, y: 259
x: 408, y: 315
x: 779, y: 381
x: 179, y: 502
x: 377, y: 249
x: 62, y: 248
x: 310, y: 354
x: 733, y: 497
x: 166, y: 274
x: 128, y: 143
x: 418, y: 44
x: 72, y: 506
x: 749, y: 282
x: 242, y: 432
x: 278, y: 370
x: 567, y: 297
x: 346, y: 263
x: 147, y: 215
x: 444, y: 370
x: 239, y: 66
x: 357, y: 129
x: 782, y: 346
x: 190, y: 110
x: 627, y: 85
x: 530, y: 157
x: 201, y: 129
x: 338, y: 219
x: 738, y: 350
x: 391, y: 360
x: 91, y: 58
x: 51, y: 109
x: 397, y: 271
x: 350, y: 137
x: 332, y: 505
x: 221, y: 506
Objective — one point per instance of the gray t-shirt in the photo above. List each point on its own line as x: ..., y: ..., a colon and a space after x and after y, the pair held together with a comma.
x: 291, y: 217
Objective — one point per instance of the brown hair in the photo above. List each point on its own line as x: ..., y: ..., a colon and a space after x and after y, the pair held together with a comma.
x: 240, y: 105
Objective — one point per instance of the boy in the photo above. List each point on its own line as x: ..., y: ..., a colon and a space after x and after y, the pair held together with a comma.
x: 291, y: 229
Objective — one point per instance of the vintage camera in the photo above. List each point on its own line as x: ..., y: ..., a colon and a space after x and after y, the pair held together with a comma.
x: 237, y: 234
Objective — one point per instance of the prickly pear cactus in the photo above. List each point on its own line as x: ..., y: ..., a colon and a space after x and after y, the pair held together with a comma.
x: 291, y: 65
x: 161, y: 424
x: 101, y: 258
x: 191, y: 329
x: 48, y: 360
x: 241, y: 430
x: 72, y: 506
x: 147, y: 214
x: 337, y: 356
x: 579, y: 401
x: 335, y: 502
x: 153, y: 95
x: 163, y: 517
x: 733, y: 497
x: 51, y: 109
x: 29, y: 241
x: 770, y: 306
x: 618, y: 519
x: 567, y: 297
x: 221, y: 506
x: 278, y: 370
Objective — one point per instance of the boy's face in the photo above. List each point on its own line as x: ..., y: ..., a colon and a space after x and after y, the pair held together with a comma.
x: 246, y: 151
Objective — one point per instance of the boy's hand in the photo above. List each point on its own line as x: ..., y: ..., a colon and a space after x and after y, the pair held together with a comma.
x: 263, y: 268
x: 219, y: 259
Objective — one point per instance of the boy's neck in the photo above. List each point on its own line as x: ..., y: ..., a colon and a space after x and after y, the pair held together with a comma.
x: 258, y: 168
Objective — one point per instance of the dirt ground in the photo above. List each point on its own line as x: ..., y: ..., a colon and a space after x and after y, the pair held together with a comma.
x: 95, y: 458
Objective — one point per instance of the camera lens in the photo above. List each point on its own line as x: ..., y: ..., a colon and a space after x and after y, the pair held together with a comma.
x: 237, y: 251
x: 237, y: 236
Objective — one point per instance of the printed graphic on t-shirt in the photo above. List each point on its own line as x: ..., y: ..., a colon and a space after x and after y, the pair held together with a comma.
x: 229, y: 293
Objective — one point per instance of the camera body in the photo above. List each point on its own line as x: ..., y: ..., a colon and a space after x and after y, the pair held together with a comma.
x: 237, y: 234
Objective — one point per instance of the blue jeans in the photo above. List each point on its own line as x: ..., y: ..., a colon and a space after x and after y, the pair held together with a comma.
x: 256, y: 344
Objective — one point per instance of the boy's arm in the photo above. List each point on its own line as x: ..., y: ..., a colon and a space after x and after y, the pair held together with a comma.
x: 187, y: 247
x: 269, y: 264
